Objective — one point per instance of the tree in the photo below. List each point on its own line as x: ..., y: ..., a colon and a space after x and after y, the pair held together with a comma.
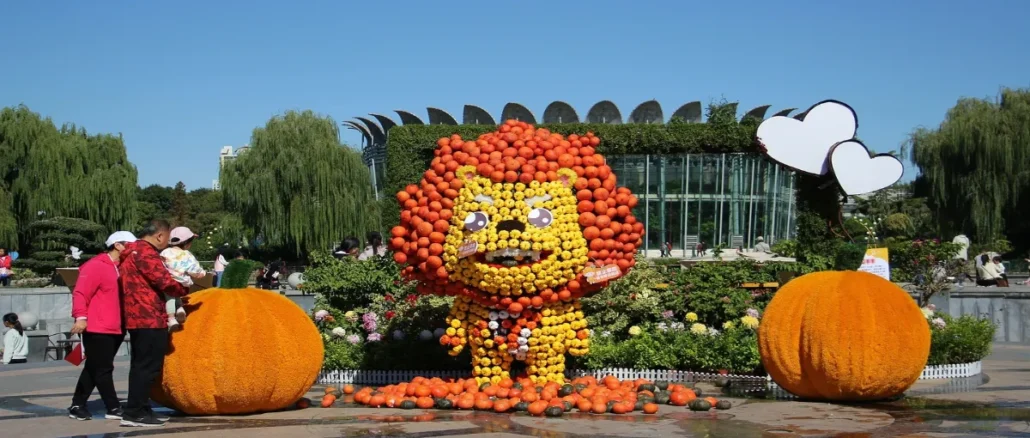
x: 298, y: 187
x: 974, y: 166
x: 180, y: 204
x: 48, y: 172
x: 51, y: 241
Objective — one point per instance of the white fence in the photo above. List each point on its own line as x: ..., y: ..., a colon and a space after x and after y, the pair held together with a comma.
x: 952, y: 371
x: 382, y: 377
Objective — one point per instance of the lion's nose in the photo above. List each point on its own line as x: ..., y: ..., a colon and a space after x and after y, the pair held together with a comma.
x: 511, y: 225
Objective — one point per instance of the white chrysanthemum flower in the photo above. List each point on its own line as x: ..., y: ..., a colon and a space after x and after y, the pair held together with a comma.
x: 339, y: 332
x: 927, y: 313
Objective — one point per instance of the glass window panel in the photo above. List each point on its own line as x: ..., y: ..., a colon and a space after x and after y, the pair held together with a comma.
x: 654, y: 227
x: 708, y: 225
x: 674, y: 224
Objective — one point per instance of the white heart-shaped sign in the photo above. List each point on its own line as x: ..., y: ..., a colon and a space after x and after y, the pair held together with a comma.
x: 805, y: 145
x: 858, y: 173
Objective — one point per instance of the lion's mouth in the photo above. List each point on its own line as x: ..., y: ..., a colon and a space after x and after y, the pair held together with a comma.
x: 512, y: 257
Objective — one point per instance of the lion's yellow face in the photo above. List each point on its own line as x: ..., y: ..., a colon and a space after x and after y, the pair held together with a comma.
x: 527, y: 236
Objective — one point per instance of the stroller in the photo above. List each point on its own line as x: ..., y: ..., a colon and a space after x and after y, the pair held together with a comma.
x: 270, y: 276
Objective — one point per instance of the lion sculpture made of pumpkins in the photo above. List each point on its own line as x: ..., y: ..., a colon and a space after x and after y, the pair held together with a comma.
x: 517, y: 224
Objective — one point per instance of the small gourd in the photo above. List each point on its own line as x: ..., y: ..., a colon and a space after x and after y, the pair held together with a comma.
x: 565, y: 390
x: 442, y: 403
x: 407, y: 404
x: 553, y: 411
x: 700, y: 405
x: 723, y: 405
x: 646, y: 387
x: 662, y: 385
x: 521, y: 406
x: 661, y: 398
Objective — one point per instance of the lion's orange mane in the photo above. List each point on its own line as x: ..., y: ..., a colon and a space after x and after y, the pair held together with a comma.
x: 516, y: 152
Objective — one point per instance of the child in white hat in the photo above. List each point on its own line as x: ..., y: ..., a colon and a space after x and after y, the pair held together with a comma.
x: 183, y: 266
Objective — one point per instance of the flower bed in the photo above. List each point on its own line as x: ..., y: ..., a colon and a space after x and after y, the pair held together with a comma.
x: 655, y: 318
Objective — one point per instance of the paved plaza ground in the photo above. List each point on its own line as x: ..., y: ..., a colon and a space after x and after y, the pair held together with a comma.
x: 33, y: 399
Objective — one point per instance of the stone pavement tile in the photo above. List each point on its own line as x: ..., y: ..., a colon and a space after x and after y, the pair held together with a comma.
x: 812, y: 418
x: 65, y: 427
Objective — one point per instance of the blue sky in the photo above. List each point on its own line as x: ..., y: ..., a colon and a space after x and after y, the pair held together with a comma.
x: 180, y: 79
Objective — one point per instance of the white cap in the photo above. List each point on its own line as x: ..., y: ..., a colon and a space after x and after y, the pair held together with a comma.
x: 119, y: 236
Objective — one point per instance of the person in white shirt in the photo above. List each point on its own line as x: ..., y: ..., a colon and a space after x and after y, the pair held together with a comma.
x: 987, y: 271
x: 761, y: 246
x: 220, y: 264
x: 16, y: 344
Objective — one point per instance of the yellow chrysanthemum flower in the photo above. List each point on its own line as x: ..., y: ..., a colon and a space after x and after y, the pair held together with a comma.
x: 749, y: 322
x: 691, y: 317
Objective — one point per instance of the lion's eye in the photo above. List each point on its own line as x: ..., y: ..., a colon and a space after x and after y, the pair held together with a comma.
x: 476, y: 221
x: 540, y: 217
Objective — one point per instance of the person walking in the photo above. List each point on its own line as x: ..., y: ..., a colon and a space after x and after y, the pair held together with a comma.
x: 97, y: 309
x: 220, y: 264
x: 5, y: 267
x: 145, y: 283
x: 373, y: 246
x: 16, y: 344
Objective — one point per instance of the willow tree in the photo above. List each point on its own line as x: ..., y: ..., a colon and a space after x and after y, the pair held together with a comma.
x: 46, y: 171
x: 974, y: 165
x: 298, y: 187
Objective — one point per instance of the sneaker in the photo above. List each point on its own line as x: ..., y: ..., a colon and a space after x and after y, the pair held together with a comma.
x: 159, y: 417
x: 114, y: 414
x: 174, y: 326
x: 147, y: 419
x: 180, y: 314
x: 79, y: 413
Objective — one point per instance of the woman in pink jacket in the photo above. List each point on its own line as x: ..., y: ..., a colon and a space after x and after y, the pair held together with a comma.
x: 97, y: 309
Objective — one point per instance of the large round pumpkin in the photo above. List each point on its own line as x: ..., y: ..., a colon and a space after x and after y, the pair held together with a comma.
x: 843, y: 336
x: 240, y: 351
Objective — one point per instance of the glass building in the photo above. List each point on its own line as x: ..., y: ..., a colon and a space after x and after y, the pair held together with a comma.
x: 720, y: 199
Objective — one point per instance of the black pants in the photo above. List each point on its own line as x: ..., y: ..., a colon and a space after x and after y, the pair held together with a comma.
x: 98, y: 369
x: 15, y: 361
x: 148, y: 358
x: 6, y: 281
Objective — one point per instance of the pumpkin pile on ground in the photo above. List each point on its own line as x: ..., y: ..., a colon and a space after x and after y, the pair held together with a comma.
x: 551, y: 399
x: 843, y: 336
x: 240, y: 351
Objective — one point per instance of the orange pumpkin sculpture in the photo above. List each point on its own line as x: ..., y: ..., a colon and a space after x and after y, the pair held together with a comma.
x: 240, y: 351
x: 843, y: 336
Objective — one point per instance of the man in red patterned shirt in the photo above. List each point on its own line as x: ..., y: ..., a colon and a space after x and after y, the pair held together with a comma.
x: 145, y: 281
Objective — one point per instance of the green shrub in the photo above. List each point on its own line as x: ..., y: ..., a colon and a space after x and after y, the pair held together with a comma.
x: 908, y: 258
x: 713, y: 290
x: 734, y: 349
x: 237, y: 273
x: 785, y: 248
x: 960, y: 340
